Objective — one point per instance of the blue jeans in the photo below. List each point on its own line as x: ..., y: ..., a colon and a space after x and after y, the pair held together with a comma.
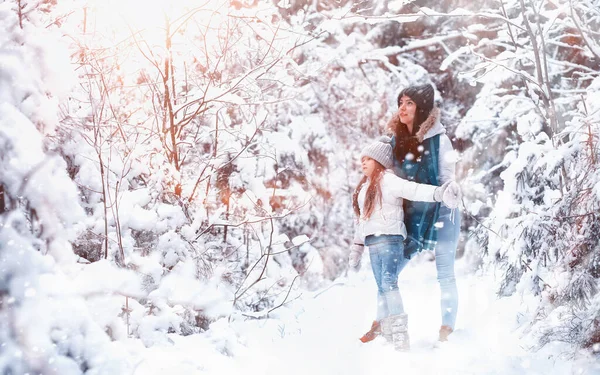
x: 387, y: 260
x: 445, y: 253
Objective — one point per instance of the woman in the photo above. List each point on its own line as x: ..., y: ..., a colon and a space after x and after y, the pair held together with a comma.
x: 377, y: 202
x: 423, y: 153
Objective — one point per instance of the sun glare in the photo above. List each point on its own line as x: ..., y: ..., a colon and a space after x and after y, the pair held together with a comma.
x: 118, y: 19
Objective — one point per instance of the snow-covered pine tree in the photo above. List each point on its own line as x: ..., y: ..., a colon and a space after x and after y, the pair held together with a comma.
x: 45, y: 324
x: 536, y: 120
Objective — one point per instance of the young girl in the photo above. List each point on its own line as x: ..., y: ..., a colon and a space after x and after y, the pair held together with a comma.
x: 377, y: 202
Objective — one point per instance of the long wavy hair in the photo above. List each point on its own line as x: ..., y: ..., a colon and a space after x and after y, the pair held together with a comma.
x: 373, y: 195
x: 407, y: 142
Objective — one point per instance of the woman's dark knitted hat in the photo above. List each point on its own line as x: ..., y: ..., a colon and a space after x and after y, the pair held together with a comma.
x: 422, y: 95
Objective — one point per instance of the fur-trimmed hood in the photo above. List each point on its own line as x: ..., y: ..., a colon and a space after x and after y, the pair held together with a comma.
x: 429, y: 128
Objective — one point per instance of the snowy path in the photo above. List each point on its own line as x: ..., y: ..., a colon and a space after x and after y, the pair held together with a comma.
x: 320, y: 336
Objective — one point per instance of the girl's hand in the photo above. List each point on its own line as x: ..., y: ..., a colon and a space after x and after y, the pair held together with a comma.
x: 438, y: 194
x: 452, y: 195
x: 449, y: 194
x: 355, y: 256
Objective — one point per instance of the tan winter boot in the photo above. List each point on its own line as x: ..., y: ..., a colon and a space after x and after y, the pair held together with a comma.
x: 445, y: 331
x: 395, y: 329
x: 373, y: 332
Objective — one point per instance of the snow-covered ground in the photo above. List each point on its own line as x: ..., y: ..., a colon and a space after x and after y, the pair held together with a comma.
x: 318, y: 334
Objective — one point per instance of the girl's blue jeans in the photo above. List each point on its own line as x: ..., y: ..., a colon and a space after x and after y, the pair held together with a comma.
x: 387, y: 260
x: 445, y: 253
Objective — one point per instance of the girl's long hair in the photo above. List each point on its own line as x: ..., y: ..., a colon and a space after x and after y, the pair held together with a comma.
x: 373, y: 195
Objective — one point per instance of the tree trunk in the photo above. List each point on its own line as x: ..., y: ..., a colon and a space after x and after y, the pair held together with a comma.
x: 2, y: 200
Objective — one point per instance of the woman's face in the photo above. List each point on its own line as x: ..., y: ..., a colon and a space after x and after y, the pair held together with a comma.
x: 407, y: 109
x: 368, y: 165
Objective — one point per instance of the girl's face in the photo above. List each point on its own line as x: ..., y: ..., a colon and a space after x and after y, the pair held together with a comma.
x: 407, y: 109
x: 368, y: 165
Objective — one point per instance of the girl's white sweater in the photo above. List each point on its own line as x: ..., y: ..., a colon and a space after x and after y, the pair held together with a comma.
x: 388, y: 217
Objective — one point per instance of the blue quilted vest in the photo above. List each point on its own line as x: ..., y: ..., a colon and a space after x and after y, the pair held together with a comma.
x: 420, y: 217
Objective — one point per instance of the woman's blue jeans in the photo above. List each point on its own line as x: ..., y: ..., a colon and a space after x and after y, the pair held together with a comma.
x: 445, y: 253
x: 387, y: 260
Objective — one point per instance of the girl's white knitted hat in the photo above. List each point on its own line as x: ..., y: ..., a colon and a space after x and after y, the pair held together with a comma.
x: 381, y: 151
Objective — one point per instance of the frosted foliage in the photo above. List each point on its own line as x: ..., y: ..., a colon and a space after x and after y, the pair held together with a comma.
x: 27, y: 89
x: 531, y: 147
x: 46, y: 326
x: 25, y: 169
